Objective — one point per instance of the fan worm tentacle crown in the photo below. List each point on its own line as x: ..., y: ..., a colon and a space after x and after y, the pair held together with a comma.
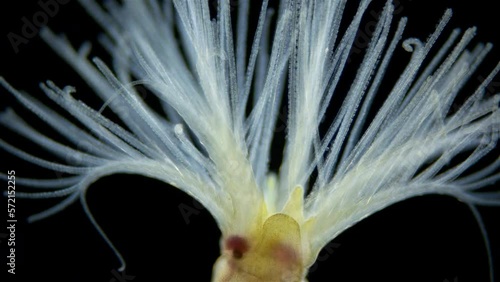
x: 221, y: 107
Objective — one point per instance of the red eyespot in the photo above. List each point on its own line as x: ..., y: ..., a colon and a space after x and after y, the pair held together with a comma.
x: 238, y: 245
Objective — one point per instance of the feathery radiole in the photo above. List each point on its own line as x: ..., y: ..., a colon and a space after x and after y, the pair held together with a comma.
x: 273, y: 224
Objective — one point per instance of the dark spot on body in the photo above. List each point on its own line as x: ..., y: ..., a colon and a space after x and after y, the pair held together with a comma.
x: 237, y: 245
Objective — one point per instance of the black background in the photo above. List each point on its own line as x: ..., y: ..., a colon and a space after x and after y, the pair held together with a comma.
x: 431, y: 238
